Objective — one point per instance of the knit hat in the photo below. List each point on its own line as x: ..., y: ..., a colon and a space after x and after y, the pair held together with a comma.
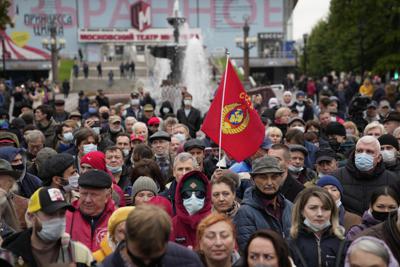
x: 96, y: 159
x: 144, y: 183
x: 118, y: 216
x: 335, y: 128
x: 193, y: 183
x: 43, y: 155
x: 55, y: 166
x: 330, y: 180
x: 95, y: 179
x: 388, y: 139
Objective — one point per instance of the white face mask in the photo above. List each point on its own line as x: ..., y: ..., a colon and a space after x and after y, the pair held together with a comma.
x: 52, y: 229
x: 388, y: 156
x: 114, y: 170
x: 165, y: 110
x: 89, y: 148
x: 72, y: 183
x: 193, y: 204
x: 301, y: 128
x: 126, y: 152
x: 295, y: 169
x: 96, y: 130
x: 135, y: 102
x: 316, y: 227
x: 68, y: 137
x: 187, y: 102
x: 180, y: 137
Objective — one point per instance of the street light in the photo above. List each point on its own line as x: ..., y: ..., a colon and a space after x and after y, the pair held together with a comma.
x: 53, y: 45
x: 305, y: 38
x: 246, y: 43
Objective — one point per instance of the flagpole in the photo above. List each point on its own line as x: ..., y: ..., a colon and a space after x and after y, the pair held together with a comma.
x: 222, y: 108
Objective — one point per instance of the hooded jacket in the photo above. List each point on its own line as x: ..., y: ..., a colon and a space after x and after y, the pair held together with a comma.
x: 252, y: 216
x: 367, y: 221
x: 97, y: 160
x: 27, y: 182
x: 358, y: 186
x: 184, y: 225
x: 80, y: 228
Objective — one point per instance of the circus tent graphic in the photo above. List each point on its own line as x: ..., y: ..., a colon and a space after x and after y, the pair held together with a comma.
x: 15, y: 52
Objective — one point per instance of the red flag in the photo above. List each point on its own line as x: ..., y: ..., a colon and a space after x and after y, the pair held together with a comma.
x: 242, y: 129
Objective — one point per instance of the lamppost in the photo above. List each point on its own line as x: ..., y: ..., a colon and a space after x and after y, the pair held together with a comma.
x: 3, y: 56
x: 53, y: 45
x: 246, y: 44
x: 305, y: 38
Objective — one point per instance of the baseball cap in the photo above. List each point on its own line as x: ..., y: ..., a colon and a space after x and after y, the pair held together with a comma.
x: 148, y: 107
x: 48, y: 200
x: 113, y: 119
x: 153, y: 120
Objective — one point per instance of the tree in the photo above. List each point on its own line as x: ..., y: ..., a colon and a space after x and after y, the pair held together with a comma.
x: 5, y: 19
x: 358, y: 35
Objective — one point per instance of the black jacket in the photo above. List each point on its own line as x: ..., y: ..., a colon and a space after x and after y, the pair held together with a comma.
x: 308, y: 245
x: 176, y: 255
x: 290, y: 188
x: 193, y: 120
x: 358, y: 186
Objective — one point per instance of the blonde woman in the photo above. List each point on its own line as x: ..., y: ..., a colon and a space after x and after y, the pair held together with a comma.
x: 275, y: 134
x: 351, y: 129
x: 374, y: 129
x: 316, y: 238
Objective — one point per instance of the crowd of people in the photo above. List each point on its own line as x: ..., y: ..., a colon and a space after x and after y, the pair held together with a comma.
x: 139, y: 184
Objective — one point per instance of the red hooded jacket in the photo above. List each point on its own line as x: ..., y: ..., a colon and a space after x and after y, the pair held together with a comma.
x: 80, y: 229
x: 184, y: 226
x: 97, y: 160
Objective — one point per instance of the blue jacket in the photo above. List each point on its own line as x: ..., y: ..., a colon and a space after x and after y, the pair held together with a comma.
x: 310, y: 160
x: 253, y: 216
x: 176, y: 255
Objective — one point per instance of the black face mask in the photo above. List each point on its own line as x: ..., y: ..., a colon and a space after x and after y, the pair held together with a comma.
x: 157, y: 262
x: 19, y: 167
x: 105, y: 115
x: 334, y: 144
x: 380, y: 215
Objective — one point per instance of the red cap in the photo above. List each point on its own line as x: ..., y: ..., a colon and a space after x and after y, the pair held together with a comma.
x: 153, y: 120
x: 137, y: 137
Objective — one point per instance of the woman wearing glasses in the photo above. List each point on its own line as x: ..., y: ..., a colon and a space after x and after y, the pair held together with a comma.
x: 193, y: 203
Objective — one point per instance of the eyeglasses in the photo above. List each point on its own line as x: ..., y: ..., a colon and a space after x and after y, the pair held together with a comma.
x: 188, y: 194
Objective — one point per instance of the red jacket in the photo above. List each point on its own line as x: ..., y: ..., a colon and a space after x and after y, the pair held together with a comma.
x: 80, y: 229
x: 184, y: 225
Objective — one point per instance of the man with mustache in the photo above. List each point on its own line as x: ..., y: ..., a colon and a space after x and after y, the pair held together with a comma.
x: 263, y: 206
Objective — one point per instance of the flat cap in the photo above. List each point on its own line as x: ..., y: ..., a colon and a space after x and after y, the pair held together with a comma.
x: 298, y: 148
x: 324, y: 154
x: 160, y: 135
x: 265, y: 164
x: 193, y: 143
x: 392, y: 116
x: 95, y: 179
x: 55, y: 166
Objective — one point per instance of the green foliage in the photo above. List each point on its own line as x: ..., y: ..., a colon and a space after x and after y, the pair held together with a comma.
x: 358, y: 35
x: 65, y: 68
x: 5, y: 20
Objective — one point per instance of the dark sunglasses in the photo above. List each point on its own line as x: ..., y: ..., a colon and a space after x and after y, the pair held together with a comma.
x: 188, y: 194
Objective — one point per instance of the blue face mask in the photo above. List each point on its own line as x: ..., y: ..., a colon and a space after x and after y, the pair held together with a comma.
x: 114, y: 170
x: 364, y: 162
x: 92, y: 110
x: 89, y: 148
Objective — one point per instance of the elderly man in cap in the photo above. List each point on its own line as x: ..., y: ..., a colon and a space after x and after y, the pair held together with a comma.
x: 60, y: 114
x: 114, y: 128
x: 59, y: 172
x: 325, y: 162
x: 392, y: 121
x: 88, y: 223
x: 364, y: 172
x: 263, y: 206
x: 196, y: 148
x: 297, y: 168
x: 390, y: 152
x: 371, y: 114
x: 159, y: 142
x: 148, y: 112
x: 45, y: 243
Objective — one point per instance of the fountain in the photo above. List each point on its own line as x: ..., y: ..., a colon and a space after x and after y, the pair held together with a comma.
x: 167, y: 68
